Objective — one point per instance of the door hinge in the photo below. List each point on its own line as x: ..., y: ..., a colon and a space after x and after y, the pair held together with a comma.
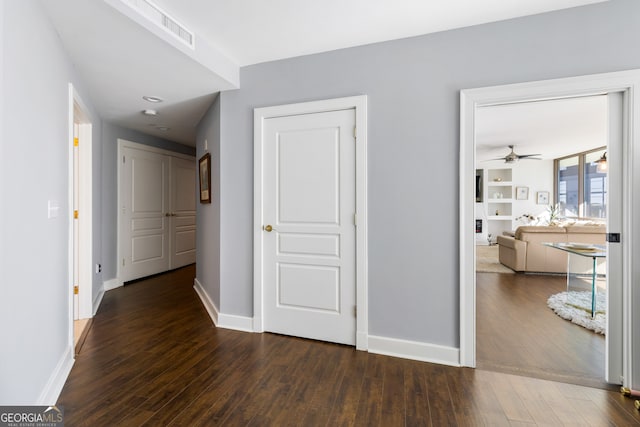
x: 75, y: 289
x: 355, y: 219
x: 75, y: 142
x: 355, y: 311
x: 75, y: 214
x: 355, y: 132
x: 122, y: 159
x: 123, y: 262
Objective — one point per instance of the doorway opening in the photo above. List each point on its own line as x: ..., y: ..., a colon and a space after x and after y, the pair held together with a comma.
x: 523, y: 202
x: 619, y: 266
x: 80, y: 201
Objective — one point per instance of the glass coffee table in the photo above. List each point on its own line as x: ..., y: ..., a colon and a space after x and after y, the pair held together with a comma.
x: 582, y: 266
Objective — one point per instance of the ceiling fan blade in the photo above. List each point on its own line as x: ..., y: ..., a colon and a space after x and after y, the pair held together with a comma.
x: 524, y: 156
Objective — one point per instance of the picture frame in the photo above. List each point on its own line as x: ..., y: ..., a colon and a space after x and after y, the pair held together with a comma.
x: 205, y: 178
x: 542, y: 198
x: 522, y: 193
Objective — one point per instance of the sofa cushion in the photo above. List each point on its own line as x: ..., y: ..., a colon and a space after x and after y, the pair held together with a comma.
x: 586, y: 229
x: 538, y: 229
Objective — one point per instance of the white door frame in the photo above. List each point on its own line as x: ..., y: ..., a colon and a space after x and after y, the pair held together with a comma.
x: 359, y: 103
x: 627, y: 82
x: 79, y: 113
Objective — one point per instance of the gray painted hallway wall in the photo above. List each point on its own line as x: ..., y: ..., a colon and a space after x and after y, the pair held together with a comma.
x: 413, y: 90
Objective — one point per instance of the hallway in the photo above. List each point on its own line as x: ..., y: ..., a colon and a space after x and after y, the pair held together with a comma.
x: 153, y: 357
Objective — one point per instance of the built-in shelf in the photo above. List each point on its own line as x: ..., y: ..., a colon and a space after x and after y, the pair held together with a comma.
x: 498, y: 200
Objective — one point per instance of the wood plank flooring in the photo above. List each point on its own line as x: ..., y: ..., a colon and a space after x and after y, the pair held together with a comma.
x: 517, y: 333
x: 152, y: 357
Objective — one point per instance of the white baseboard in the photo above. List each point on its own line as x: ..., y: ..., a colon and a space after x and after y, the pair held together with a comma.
x: 112, y: 284
x: 52, y: 389
x: 362, y: 341
x: 380, y: 345
x: 221, y: 320
x: 206, y: 301
x: 238, y: 323
x: 415, y: 350
x: 97, y: 301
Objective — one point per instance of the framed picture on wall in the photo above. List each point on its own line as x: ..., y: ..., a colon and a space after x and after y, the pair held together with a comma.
x: 522, y: 193
x: 542, y: 198
x: 205, y: 178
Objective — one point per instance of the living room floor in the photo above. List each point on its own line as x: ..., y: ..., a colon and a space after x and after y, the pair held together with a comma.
x: 518, y: 334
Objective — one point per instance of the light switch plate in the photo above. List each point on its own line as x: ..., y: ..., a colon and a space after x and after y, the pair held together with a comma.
x: 53, y: 209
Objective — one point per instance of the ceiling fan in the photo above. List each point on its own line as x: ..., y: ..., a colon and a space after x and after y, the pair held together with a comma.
x: 513, y: 157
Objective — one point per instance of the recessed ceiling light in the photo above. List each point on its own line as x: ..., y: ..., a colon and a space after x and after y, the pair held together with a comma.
x: 163, y: 128
x: 154, y: 99
x: 150, y: 112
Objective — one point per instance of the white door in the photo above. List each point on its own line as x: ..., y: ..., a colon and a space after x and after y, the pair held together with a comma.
x: 144, y: 214
x: 183, y: 212
x: 309, y: 261
x: 615, y: 208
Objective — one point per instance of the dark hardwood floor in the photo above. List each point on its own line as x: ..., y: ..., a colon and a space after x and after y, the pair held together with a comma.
x: 152, y: 357
x: 517, y: 333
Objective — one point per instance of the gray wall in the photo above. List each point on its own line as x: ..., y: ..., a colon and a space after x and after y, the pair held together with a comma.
x: 208, y: 215
x: 413, y: 88
x: 34, y: 168
x: 109, y: 190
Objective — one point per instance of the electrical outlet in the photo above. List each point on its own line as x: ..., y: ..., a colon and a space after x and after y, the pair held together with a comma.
x: 98, y: 268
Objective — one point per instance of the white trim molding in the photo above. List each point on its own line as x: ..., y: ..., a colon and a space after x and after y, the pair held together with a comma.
x: 206, y: 301
x: 97, y: 301
x: 414, y: 350
x: 53, y: 388
x: 112, y: 284
x: 235, y: 322
x: 359, y: 103
x: 221, y: 320
x: 625, y: 82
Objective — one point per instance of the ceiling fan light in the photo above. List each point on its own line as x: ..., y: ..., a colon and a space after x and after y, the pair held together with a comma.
x: 603, y: 164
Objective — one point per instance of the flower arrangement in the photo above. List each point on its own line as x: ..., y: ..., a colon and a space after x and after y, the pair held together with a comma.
x: 554, y: 214
x: 528, y: 219
x: 550, y: 217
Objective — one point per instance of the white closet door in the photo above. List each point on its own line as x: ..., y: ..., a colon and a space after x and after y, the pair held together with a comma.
x: 183, y: 212
x: 144, y: 214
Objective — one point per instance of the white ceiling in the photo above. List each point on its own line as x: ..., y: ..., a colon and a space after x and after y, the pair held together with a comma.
x: 121, y: 57
x: 551, y: 128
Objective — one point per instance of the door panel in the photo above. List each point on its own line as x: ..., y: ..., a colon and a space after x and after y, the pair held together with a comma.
x: 309, y: 200
x: 183, y: 212
x: 615, y: 208
x: 308, y: 176
x: 308, y: 244
x: 309, y: 287
x: 145, y: 204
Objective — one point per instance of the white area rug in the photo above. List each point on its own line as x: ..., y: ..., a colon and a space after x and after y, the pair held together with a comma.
x: 487, y: 260
x: 576, y: 307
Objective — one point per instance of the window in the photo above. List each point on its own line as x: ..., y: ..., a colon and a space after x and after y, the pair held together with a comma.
x: 581, y: 191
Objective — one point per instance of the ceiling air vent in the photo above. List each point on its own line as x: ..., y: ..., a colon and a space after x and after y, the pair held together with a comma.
x: 163, y: 20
